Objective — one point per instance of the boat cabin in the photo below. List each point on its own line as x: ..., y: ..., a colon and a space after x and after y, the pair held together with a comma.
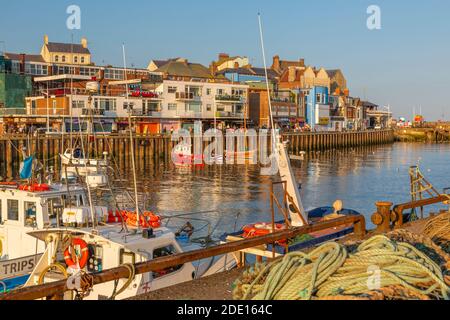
x: 109, y: 248
x: 26, y: 209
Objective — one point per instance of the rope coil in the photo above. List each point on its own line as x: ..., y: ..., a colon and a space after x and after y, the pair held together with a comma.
x: 333, y: 270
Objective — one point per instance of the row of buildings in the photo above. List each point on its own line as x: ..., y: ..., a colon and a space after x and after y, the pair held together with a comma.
x: 49, y: 89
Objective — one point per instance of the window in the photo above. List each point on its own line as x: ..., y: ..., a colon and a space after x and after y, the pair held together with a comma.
x: 164, y: 252
x: 77, y: 104
x: 88, y: 71
x: 54, y: 106
x: 172, y: 106
x: 208, y: 107
x: 82, y: 59
x: 114, y: 74
x: 63, y: 59
x: 208, y: 91
x: 30, y: 214
x: 172, y: 89
x: 319, y: 98
x: 219, y: 92
x: 56, y: 58
x: 75, y: 59
x: 105, y: 104
x: 220, y: 108
x: 194, y: 107
x: 35, y: 69
x: 13, y: 210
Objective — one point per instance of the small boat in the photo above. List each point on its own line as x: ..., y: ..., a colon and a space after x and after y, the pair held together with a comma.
x: 76, y: 163
x: 182, y: 156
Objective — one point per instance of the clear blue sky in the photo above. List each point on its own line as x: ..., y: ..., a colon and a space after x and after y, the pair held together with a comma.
x: 405, y: 64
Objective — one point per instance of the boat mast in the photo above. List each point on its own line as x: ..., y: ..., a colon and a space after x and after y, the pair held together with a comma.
x: 279, y: 151
x: 131, y: 138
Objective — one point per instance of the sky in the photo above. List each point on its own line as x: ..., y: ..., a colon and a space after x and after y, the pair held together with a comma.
x: 404, y: 65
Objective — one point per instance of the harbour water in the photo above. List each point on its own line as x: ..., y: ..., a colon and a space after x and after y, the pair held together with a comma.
x: 235, y: 195
x: 230, y: 196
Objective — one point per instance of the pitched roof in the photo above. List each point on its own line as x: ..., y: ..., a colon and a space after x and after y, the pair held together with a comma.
x: 333, y: 72
x: 160, y: 63
x: 28, y: 57
x: 183, y: 68
x: 67, y: 48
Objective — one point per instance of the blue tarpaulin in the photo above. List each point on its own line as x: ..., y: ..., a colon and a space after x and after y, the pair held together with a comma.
x: 25, y: 172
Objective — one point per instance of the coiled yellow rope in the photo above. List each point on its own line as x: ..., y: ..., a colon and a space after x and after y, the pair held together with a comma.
x: 438, y: 228
x: 330, y: 271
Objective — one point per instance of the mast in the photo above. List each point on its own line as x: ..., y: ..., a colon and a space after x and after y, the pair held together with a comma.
x: 279, y: 151
x: 131, y: 139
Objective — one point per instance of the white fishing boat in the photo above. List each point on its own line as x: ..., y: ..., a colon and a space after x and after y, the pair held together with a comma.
x: 77, y: 163
x: 108, y: 247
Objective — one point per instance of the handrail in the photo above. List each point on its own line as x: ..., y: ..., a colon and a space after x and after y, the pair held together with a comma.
x: 55, y: 289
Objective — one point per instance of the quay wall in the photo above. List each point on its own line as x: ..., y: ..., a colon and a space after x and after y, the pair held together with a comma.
x: 157, y: 148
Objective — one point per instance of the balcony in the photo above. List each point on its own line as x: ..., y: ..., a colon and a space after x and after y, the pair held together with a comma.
x: 187, y: 96
x: 225, y: 114
x: 95, y: 112
x: 148, y: 113
x: 282, y: 99
x: 230, y: 98
x: 189, y: 114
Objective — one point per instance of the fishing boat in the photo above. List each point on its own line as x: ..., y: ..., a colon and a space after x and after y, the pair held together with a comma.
x: 77, y: 164
x: 77, y: 247
x: 25, y: 208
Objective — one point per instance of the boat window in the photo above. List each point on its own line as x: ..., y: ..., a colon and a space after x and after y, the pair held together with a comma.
x: 13, y: 210
x: 164, y: 252
x: 55, y: 207
x: 30, y: 214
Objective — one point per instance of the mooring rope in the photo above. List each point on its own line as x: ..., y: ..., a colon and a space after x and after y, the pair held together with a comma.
x: 333, y: 270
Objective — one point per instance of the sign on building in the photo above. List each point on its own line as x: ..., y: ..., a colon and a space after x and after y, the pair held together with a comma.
x: 322, y: 114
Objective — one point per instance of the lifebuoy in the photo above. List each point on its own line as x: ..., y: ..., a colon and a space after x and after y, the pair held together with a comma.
x: 83, y: 259
x: 260, y: 229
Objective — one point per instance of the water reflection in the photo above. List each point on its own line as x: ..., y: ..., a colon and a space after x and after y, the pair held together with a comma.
x: 239, y: 194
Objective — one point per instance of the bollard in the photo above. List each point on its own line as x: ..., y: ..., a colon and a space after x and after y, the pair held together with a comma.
x: 382, y: 218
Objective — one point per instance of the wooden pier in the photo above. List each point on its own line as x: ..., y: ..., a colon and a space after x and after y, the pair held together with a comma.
x: 157, y: 148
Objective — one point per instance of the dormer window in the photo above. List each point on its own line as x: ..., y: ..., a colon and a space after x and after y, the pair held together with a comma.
x: 56, y: 58
x: 82, y: 59
x: 63, y: 59
x: 75, y: 59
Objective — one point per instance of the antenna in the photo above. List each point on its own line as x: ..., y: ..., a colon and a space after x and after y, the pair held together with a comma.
x: 131, y: 138
x: 267, y: 84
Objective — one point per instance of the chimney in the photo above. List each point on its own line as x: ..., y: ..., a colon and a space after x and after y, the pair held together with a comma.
x: 22, y: 63
x: 223, y: 56
x: 46, y: 39
x: 212, y: 69
x: 302, y: 62
x: 276, y: 63
x: 292, y: 74
x: 84, y: 42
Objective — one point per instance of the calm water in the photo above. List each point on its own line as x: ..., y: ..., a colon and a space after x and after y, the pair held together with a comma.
x: 239, y: 194
x: 235, y: 195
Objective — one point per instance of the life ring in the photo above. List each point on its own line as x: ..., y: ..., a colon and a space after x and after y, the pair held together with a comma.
x: 82, y: 261
x: 260, y: 229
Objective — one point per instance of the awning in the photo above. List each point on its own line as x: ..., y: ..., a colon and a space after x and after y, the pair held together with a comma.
x: 63, y: 77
